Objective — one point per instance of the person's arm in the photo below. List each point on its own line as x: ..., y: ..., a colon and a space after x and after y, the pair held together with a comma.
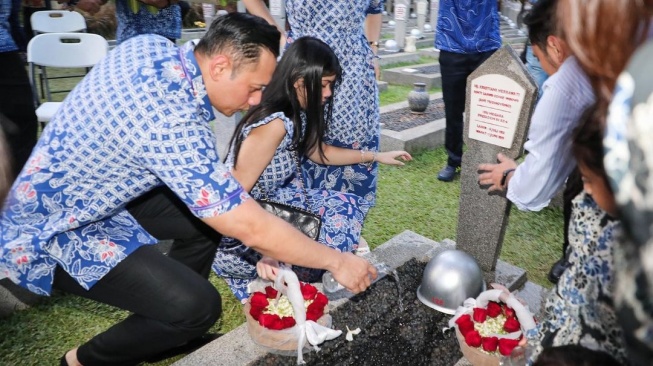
x: 549, y: 161
x: 273, y: 237
x: 373, y: 23
x: 496, y: 177
x: 256, y: 152
x: 342, y: 156
x: 258, y: 8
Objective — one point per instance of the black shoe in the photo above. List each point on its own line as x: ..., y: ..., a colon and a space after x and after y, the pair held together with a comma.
x: 557, y: 269
x: 62, y: 361
x: 190, y: 346
x: 447, y: 173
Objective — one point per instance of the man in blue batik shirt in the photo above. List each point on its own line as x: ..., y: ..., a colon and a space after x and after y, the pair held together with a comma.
x: 130, y: 159
x: 466, y: 35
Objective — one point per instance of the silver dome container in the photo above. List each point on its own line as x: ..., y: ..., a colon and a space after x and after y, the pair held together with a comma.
x: 449, y: 279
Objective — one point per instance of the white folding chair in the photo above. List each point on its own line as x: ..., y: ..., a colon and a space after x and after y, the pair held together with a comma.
x: 57, y: 21
x: 61, y: 50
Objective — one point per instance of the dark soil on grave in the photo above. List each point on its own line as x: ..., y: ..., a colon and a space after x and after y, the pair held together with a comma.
x: 388, y: 336
x: 403, y: 119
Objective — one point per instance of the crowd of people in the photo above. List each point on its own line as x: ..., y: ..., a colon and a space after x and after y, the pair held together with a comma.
x: 130, y: 159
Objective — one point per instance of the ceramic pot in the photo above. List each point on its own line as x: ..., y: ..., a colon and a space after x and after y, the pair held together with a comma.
x: 418, y: 98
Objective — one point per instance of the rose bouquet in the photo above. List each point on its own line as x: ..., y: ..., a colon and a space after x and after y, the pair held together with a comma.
x: 487, y: 328
x: 290, y: 316
x: 278, y: 314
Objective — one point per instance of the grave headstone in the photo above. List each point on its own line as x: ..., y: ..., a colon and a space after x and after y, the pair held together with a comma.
x: 240, y: 7
x: 278, y: 11
x: 500, y: 99
x: 402, y: 8
x: 435, y: 8
x: 422, y: 10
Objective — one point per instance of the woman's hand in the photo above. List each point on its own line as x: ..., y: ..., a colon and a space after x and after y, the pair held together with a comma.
x: 267, y: 268
x: 390, y: 157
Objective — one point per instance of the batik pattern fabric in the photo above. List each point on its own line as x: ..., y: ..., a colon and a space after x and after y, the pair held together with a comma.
x: 165, y: 22
x: 580, y: 308
x: 342, y: 214
x: 355, y: 122
x: 138, y: 120
x: 7, y: 43
x: 467, y: 26
x: 628, y: 161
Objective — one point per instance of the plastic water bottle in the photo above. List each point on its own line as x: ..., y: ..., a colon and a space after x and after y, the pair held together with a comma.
x: 330, y: 285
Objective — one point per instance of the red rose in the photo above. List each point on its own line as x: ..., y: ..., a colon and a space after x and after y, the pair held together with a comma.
x: 510, y: 313
x: 270, y: 321
x: 473, y: 339
x: 287, y: 322
x: 494, y: 309
x: 259, y: 300
x: 490, y: 343
x: 466, y: 327
x: 313, y: 313
x: 308, y: 291
x: 511, y: 325
x: 507, y: 345
x: 480, y: 315
x: 321, y: 300
x: 270, y: 292
x: 255, y: 312
x: 463, y: 319
x: 317, y: 307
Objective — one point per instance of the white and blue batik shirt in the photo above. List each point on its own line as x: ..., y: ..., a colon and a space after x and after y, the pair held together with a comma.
x: 467, y: 26
x: 138, y: 120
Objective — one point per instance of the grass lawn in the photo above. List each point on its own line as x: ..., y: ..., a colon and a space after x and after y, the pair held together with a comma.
x: 409, y: 198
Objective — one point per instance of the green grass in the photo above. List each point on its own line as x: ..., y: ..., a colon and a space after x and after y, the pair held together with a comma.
x: 422, y: 60
x: 409, y: 198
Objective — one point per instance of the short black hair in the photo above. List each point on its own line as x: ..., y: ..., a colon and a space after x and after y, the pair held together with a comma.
x: 541, y: 22
x: 587, y: 141
x: 242, y: 36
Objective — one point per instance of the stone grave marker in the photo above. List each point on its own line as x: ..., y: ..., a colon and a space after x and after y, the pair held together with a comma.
x: 422, y: 10
x: 278, y: 11
x: 435, y: 8
x: 500, y: 99
x: 401, y: 14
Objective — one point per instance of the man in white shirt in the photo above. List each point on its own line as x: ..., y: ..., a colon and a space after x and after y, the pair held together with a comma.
x: 532, y: 184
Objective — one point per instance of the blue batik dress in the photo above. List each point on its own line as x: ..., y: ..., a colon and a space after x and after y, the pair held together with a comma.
x: 355, y: 123
x: 342, y: 214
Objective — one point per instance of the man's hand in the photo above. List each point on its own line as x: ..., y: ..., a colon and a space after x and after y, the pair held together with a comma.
x: 89, y: 6
x: 267, y: 268
x: 355, y: 273
x: 492, y: 174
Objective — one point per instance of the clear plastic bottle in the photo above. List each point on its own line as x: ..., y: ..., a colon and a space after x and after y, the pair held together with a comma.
x: 330, y: 285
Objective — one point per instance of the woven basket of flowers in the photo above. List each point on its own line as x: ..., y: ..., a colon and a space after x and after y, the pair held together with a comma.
x: 488, y: 328
x: 290, y: 316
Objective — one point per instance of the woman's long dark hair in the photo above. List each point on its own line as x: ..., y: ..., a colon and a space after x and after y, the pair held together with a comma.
x: 309, y: 59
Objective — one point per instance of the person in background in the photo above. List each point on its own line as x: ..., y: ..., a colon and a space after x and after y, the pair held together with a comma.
x: 165, y: 21
x: 129, y: 160
x: 467, y: 34
x: 352, y: 30
x: 30, y: 7
x: 580, y: 309
x: 265, y: 156
x: 531, y: 184
x: 16, y: 102
x: 604, y: 53
x: 533, y: 65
